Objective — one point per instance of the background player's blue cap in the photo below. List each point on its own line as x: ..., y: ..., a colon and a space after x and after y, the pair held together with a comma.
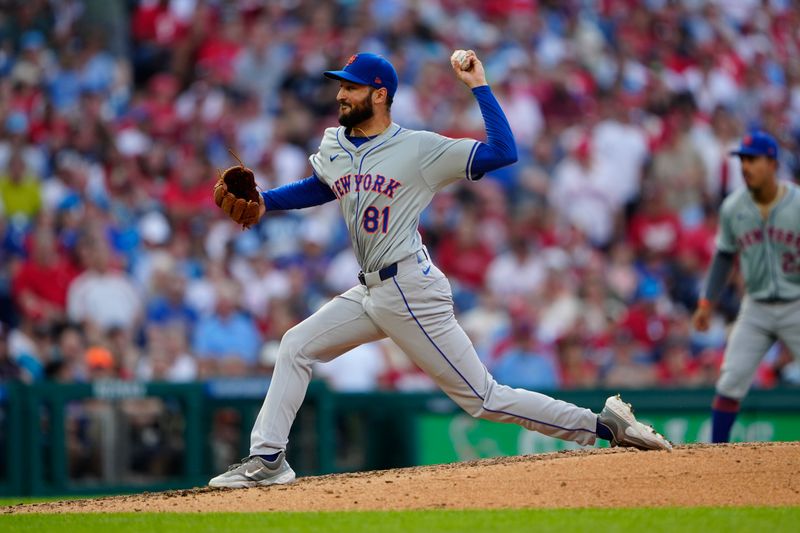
x: 758, y: 143
x: 367, y: 69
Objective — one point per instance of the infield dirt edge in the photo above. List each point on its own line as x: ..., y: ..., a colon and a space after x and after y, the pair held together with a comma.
x: 698, y: 475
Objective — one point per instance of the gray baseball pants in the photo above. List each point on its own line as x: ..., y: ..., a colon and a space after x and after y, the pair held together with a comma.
x: 414, y: 309
x: 757, y: 327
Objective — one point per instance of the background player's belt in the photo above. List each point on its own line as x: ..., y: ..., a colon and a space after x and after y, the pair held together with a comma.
x: 776, y: 300
x: 384, y: 274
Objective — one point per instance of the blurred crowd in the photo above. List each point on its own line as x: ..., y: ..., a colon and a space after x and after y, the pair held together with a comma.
x: 576, y: 267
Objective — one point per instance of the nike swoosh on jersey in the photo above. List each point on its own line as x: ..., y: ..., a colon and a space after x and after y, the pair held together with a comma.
x: 427, y: 270
x: 254, y: 472
x: 334, y: 157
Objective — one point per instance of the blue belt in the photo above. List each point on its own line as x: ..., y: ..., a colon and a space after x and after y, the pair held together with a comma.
x: 384, y: 273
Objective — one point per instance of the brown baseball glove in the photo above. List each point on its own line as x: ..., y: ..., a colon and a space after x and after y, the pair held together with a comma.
x: 237, y: 195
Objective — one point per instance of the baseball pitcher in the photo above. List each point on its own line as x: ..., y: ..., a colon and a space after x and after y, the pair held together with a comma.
x: 383, y: 176
x: 760, y: 223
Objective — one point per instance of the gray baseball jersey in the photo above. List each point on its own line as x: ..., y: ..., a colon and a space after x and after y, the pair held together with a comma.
x: 769, y: 250
x: 384, y: 184
x: 769, y: 258
x: 382, y: 187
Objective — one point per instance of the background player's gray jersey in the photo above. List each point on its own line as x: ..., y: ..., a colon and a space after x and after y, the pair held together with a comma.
x: 769, y: 250
x: 384, y: 185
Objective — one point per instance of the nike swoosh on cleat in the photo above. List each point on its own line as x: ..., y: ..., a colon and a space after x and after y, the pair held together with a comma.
x: 253, y: 473
x: 334, y: 157
x: 631, y: 432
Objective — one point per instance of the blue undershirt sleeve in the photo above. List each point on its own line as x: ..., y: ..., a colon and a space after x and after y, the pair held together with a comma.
x: 499, y: 150
x: 307, y: 192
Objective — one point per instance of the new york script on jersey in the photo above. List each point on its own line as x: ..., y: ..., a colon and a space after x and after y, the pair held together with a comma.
x: 352, y: 183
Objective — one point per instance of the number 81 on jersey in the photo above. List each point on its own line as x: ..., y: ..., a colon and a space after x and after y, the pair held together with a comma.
x: 375, y: 219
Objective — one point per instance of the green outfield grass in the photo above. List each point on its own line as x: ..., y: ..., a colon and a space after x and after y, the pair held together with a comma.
x: 701, y: 520
x: 5, y: 502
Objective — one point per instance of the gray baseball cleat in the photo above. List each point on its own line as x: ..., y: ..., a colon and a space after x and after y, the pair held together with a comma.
x: 618, y: 417
x: 255, y: 472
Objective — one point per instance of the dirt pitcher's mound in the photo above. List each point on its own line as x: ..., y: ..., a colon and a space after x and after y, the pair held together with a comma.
x: 695, y: 475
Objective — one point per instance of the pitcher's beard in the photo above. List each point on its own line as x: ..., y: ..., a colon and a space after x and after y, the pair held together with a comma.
x: 357, y: 114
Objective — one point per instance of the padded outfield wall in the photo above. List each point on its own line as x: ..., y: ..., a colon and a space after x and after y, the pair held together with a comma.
x: 117, y: 437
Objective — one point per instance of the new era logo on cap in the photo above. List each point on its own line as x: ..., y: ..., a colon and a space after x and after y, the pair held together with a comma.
x: 758, y: 143
x: 367, y: 69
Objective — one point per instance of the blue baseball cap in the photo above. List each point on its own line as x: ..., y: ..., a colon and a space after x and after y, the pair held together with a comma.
x: 758, y: 143
x: 367, y: 69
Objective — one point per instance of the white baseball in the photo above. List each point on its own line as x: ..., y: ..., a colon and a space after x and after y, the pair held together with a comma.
x: 462, y: 58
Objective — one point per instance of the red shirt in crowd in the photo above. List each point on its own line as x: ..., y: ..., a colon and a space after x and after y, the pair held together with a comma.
x: 185, y: 201
x: 645, y: 325
x: 157, y: 23
x: 659, y: 234
x: 700, y: 242
x: 467, y: 264
x: 46, y: 283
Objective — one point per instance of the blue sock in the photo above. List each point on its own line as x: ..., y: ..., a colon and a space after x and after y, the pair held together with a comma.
x: 270, y: 458
x: 721, y: 424
x: 723, y: 415
x: 603, y: 431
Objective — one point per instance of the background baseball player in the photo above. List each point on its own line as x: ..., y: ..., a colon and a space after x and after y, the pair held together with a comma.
x: 760, y: 223
x: 384, y: 176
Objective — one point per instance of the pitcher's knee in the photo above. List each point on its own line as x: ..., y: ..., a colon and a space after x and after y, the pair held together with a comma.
x: 291, y: 346
x: 733, y: 384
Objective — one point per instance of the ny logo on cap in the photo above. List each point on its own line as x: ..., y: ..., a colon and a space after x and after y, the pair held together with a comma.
x: 351, y: 60
x: 748, y: 140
